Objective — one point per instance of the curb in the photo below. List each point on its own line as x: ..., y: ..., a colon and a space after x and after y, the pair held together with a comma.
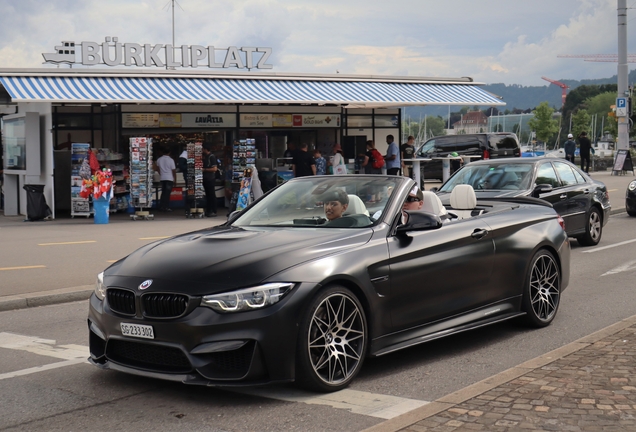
x: 64, y: 295
x: 449, y: 401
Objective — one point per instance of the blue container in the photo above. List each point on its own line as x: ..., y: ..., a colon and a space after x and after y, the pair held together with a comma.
x: 100, y: 207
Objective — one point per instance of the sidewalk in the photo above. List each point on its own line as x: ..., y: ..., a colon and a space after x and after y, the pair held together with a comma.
x: 587, y: 385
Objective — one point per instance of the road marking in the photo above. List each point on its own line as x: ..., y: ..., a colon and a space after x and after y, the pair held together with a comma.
x: 67, y: 243
x: 357, y: 402
x: 153, y: 238
x: 41, y: 368
x: 45, y: 347
x: 111, y: 261
x: 22, y: 268
x: 610, y: 246
x: 621, y: 268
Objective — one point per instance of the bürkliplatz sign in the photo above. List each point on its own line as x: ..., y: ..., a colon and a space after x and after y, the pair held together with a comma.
x: 111, y: 52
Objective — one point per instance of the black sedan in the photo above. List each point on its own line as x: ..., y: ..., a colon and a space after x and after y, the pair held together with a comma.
x: 582, y: 201
x: 630, y: 198
x: 318, y: 274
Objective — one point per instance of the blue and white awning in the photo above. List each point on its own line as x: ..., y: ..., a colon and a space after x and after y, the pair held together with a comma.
x: 206, y: 89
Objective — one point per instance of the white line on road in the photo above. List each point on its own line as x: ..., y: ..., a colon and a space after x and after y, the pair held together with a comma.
x: 67, y: 243
x: 22, y: 268
x: 610, y: 246
x: 41, y: 368
x: 631, y: 265
x: 357, y: 402
x: 45, y: 347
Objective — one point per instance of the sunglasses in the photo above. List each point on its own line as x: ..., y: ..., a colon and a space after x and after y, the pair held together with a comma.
x: 412, y: 199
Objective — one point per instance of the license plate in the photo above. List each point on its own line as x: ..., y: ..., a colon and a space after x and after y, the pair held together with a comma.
x: 137, y: 330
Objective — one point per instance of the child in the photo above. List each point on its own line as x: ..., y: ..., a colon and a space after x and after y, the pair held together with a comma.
x: 321, y: 163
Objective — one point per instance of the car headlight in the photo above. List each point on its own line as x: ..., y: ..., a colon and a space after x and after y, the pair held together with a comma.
x: 632, y: 185
x: 100, y: 288
x: 247, y: 299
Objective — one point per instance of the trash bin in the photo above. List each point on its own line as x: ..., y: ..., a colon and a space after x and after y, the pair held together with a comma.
x: 37, y: 208
x: 101, y: 207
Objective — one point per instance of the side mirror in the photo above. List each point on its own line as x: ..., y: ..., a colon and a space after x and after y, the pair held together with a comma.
x: 541, y: 188
x: 434, y: 189
x: 419, y: 221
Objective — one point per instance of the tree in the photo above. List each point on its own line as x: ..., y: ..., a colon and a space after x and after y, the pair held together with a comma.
x: 580, y: 122
x: 543, y: 123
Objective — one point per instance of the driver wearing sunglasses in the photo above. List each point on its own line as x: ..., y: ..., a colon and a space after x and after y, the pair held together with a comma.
x: 414, y: 201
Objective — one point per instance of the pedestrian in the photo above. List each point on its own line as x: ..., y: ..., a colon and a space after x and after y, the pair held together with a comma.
x: 210, y: 168
x: 392, y: 157
x: 166, y: 168
x: 183, y: 167
x: 321, y: 163
x: 367, y: 163
x: 570, y: 148
x: 289, y: 152
x: 408, y: 152
x: 304, y: 164
x: 584, y: 151
x: 338, y: 162
x: 372, y: 191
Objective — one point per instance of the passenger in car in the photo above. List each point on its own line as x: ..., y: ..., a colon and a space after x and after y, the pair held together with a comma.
x: 335, y: 204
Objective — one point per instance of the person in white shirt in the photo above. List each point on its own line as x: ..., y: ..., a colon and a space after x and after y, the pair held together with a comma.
x: 166, y: 168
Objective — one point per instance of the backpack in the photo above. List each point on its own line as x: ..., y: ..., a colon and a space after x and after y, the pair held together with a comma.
x: 378, y: 160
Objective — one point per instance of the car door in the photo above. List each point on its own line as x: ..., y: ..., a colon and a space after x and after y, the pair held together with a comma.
x: 440, y: 272
x: 579, y: 196
x: 546, y: 174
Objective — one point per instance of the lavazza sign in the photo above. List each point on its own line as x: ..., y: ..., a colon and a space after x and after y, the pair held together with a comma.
x: 114, y: 53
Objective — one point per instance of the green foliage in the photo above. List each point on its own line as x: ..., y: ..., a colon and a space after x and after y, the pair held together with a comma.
x: 435, y: 126
x: 580, y: 122
x: 579, y: 98
x: 543, y: 123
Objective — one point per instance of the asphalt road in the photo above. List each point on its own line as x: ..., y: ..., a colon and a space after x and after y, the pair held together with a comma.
x: 73, y: 395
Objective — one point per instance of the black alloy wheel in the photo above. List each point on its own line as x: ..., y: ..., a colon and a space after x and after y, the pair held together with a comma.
x: 332, y: 341
x: 593, y: 229
x: 542, y: 292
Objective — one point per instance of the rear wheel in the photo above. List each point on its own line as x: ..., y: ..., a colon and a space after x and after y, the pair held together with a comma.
x: 542, y: 292
x: 332, y: 341
x: 593, y: 229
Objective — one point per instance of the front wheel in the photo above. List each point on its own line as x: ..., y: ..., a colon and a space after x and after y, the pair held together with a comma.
x: 593, y: 229
x: 332, y: 341
x: 542, y: 292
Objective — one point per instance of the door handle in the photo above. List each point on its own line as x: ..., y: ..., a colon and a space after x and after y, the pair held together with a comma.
x: 586, y: 191
x: 564, y: 196
x: 479, y: 233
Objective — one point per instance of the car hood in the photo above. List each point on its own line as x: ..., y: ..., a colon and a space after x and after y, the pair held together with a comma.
x: 221, y: 258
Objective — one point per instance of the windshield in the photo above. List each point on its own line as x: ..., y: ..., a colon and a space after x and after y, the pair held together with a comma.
x: 323, y: 201
x: 427, y: 148
x: 494, y: 176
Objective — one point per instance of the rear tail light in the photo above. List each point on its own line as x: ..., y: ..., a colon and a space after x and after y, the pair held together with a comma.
x: 561, y: 222
x: 486, y: 154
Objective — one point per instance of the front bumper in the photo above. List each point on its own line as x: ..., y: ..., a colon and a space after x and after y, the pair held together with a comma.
x: 202, y: 346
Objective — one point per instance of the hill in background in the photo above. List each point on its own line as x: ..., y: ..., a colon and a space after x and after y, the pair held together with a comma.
x: 518, y: 96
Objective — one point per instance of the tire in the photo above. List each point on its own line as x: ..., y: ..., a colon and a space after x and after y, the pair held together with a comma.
x: 631, y: 212
x: 332, y: 341
x: 542, y: 291
x: 593, y: 229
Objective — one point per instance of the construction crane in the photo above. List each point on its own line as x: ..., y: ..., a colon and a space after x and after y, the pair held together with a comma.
x: 564, y: 88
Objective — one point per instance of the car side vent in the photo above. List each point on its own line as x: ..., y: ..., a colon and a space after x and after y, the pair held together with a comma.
x: 164, y: 305
x: 121, y: 301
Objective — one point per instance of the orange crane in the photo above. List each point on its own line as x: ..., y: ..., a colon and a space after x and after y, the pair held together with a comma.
x: 564, y: 88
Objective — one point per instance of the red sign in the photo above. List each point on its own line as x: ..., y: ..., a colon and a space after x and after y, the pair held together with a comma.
x: 298, y: 120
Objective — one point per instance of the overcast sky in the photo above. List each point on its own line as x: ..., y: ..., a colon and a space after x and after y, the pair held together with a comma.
x: 492, y: 41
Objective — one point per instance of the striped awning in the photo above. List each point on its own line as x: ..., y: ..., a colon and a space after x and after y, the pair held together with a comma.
x: 206, y: 89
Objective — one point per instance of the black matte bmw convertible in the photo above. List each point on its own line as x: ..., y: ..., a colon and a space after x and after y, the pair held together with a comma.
x: 320, y: 273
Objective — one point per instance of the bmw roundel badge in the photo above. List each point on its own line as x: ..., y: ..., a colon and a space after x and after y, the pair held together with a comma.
x: 145, y: 284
